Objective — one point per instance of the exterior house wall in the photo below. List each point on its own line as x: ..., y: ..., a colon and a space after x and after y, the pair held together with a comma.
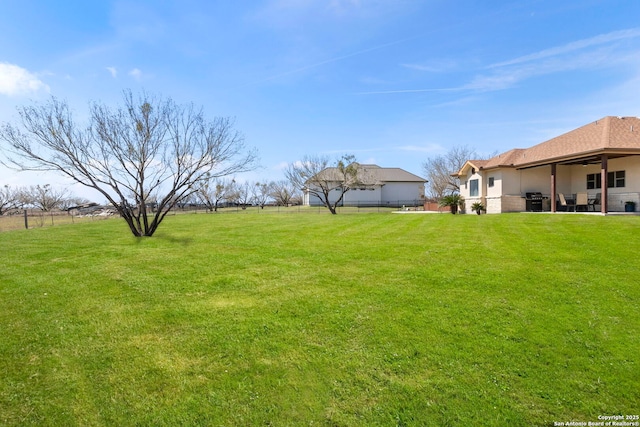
x: 465, y: 189
x: 493, y: 202
x: 505, y: 195
x: 402, y: 192
x: 389, y: 193
x: 617, y: 196
x: 496, y: 189
x: 631, y: 190
x: 312, y: 200
x: 535, y: 180
x: 354, y: 196
x: 511, y: 182
x: 363, y: 196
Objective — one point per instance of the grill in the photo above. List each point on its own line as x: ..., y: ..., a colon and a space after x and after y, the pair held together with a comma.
x: 534, y: 202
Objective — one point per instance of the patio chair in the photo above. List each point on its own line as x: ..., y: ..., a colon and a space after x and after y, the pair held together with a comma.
x: 594, y: 202
x: 582, y: 199
x: 566, y: 205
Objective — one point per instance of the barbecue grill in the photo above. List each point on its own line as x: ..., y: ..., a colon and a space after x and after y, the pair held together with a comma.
x: 534, y: 202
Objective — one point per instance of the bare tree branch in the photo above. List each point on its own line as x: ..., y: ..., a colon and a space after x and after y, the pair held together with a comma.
x: 439, y: 170
x: 283, y: 192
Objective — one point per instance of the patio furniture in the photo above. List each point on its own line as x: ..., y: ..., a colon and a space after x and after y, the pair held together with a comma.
x: 566, y: 204
x: 593, y: 202
x: 582, y: 200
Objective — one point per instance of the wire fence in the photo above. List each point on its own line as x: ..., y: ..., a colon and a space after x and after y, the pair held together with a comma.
x: 30, y: 219
x: 270, y: 209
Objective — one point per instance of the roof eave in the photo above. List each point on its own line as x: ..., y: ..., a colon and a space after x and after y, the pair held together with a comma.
x: 579, y: 157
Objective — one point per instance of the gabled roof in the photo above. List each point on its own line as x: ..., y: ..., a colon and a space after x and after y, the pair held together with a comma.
x: 475, y: 164
x: 609, y: 135
x: 374, y: 174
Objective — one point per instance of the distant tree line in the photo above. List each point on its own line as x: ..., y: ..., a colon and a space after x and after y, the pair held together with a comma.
x: 216, y: 193
x: 41, y: 197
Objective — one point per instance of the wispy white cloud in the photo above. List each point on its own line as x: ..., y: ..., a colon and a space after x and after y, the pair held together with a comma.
x: 374, y: 81
x: 281, y: 166
x: 15, y: 80
x: 572, y: 47
x: 136, y: 73
x: 331, y: 60
x: 601, y: 51
x: 382, y: 92
x: 418, y: 67
x: 432, y: 67
x: 287, y: 12
x: 113, y: 71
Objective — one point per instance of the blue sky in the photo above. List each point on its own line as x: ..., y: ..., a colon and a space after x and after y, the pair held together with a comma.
x: 392, y: 81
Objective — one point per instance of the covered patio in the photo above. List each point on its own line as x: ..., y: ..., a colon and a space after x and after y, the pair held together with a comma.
x: 597, y: 194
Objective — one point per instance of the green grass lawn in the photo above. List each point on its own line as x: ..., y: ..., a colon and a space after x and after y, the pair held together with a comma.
x: 312, y: 319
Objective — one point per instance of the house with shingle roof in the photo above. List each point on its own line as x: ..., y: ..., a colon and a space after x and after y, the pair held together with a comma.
x: 601, y: 159
x: 377, y: 186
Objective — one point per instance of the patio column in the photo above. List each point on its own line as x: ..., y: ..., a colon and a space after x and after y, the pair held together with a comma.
x: 604, y: 160
x: 553, y: 187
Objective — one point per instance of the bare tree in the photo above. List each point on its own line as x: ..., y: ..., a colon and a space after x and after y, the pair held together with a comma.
x: 318, y: 178
x: 22, y: 198
x: 148, y: 150
x: 210, y: 193
x: 45, y: 197
x: 75, y: 201
x: 8, y: 198
x: 439, y: 170
x: 242, y: 194
x: 261, y: 194
x: 283, y: 192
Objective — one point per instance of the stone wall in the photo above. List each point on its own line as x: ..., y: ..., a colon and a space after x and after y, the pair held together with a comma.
x: 505, y: 204
x: 513, y: 204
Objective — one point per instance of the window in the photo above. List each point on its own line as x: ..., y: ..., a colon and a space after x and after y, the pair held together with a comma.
x: 615, y: 179
x: 593, y: 181
x: 473, y: 191
x: 490, y: 181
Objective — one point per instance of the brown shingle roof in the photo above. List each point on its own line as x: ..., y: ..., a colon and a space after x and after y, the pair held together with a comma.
x: 509, y: 158
x: 607, y: 135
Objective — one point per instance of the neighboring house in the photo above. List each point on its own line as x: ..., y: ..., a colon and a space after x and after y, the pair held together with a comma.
x: 601, y: 159
x: 377, y: 186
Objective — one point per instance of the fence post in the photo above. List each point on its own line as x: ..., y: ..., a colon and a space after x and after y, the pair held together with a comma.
x: 26, y: 220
